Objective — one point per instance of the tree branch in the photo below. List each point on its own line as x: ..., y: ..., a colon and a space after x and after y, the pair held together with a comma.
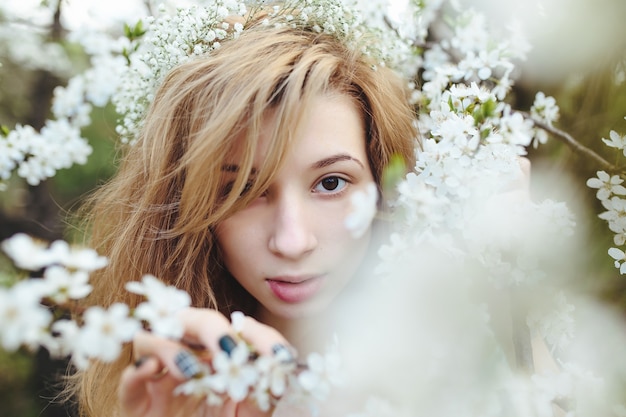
x: 573, y: 144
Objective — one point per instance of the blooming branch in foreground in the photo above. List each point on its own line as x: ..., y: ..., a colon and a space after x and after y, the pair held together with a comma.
x: 96, y: 333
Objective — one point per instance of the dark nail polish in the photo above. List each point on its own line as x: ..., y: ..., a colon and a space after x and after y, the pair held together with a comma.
x: 285, y: 353
x: 187, y: 363
x: 227, y: 344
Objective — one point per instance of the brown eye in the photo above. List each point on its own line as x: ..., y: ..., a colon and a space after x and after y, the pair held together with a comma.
x: 330, y: 184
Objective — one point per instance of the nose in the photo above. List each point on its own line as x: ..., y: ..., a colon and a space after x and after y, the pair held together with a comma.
x: 292, y: 235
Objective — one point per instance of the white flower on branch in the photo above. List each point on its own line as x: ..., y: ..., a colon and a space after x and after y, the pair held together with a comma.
x: 620, y: 259
x: 26, y: 252
x: 607, y: 185
x: 615, y: 216
x: 275, y: 373
x: 103, y: 334
x: 162, y: 305
x: 30, y: 254
x: 60, y: 342
x: 63, y: 285
x: 234, y: 372
x: 69, y: 102
x: 363, y: 210
x: 616, y: 141
x: 208, y: 386
x: 544, y: 108
x: 556, y: 326
x: 83, y: 259
x: 237, y: 319
x: 23, y: 320
x: 322, y: 372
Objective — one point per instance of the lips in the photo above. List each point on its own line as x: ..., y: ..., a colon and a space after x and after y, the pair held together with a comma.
x: 295, y: 289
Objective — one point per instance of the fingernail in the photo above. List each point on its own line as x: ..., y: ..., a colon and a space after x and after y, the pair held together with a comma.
x: 283, y: 352
x: 140, y: 361
x: 187, y: 364
x: 227, y: 344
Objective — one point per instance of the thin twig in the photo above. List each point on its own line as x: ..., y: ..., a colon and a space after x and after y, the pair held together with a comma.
x: 521, y: 336
x: 148, y: 4
x: 576, y: 146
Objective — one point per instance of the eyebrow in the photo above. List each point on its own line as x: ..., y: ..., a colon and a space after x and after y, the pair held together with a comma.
x: 322, y: 163
x: 335, y: 158
x: 234, y: 168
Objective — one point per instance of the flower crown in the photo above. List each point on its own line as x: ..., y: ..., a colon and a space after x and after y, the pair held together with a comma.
x: 171, y: 39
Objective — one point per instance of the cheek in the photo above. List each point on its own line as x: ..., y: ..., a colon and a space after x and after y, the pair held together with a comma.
x: 238, y: 243
x: 336, y: 241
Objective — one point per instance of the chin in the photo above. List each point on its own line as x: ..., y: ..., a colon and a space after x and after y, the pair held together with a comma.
x: 299, y: 311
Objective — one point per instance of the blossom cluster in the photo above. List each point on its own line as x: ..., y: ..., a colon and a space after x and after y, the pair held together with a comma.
x: 612, y: 196
x: 172, y: 39
x: 466, y: 200
x: 37, y: 155
x: 264, y: 380
x: 126, y: 70
x: 44, y: 312
x: 472, y: 142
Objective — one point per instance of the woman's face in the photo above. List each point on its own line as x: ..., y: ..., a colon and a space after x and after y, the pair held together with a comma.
x: 289, y: 248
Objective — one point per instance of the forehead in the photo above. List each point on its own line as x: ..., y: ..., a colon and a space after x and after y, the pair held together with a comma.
x: 329, y: 123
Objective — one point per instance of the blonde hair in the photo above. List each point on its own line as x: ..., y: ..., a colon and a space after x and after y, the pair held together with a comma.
x: 158, y: 214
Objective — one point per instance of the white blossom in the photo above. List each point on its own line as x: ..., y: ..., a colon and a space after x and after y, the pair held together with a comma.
x: 27, y: 253
x: 23, y: 320
x: 616, y: 141
x: 544, y: 108
x: 62, y: 343
x: 73, y: 257
x: 322, y: 372
x: 607, y: 185
x: 162, y: 305
x: 103, y: 333
x: 234, y: 372
x: 556, y: 326
x: 275, y: 373
x: 237, y: 321
x: 620, y: 259
x: 63, y: 285
x: 208, y: 386
x: 363, y: 210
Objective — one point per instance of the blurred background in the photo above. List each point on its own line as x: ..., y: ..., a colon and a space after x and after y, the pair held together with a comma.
x: 578, y: 56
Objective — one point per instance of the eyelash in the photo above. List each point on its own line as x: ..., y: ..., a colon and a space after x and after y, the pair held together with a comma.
x: 329, y: 193
x: 229, y: 186
x: 332, y: 193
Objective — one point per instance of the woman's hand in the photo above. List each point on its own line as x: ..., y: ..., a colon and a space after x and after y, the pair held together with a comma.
x: 147, y: 387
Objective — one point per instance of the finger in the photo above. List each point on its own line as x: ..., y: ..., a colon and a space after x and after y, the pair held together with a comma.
x: 179, y: 362
x: 144, y: 387
x: 214, y: 331
x: 133, y: 382
x: 205, y: 327
x: 140, y: 381
x: 264, y: 338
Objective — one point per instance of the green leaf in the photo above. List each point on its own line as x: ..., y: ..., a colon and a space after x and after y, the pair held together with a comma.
x: 135, y: 32
x: 139, y: 30
x: 127, y: 31
x: 393, y: 172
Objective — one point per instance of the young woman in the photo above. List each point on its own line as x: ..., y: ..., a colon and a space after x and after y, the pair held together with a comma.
x: 236, y: 192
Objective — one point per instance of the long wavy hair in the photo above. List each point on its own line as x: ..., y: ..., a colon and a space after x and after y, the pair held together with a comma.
x: 157, y: 215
